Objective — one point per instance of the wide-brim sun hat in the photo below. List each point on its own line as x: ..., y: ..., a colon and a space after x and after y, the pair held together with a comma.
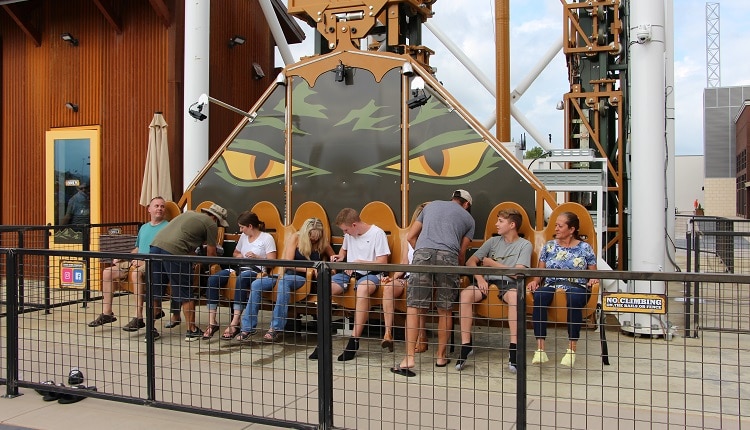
x: 219, y: 212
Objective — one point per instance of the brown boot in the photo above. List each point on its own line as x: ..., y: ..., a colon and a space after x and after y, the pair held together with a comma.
x: 387, y: 341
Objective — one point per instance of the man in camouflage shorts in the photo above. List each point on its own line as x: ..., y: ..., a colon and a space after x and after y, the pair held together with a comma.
x: 440, y: 237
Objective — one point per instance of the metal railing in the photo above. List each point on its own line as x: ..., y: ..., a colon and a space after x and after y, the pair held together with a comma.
x: 650, y: 380
x: 717, y: 245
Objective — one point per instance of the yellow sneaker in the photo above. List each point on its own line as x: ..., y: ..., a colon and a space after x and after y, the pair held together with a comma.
x: 569, y: 359
x: 539, y: 357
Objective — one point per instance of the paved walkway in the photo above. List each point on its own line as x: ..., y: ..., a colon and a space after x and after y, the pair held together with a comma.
x: 30, y: 412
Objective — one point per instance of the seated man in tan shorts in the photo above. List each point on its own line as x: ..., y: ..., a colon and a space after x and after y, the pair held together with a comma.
x: 121, y: 270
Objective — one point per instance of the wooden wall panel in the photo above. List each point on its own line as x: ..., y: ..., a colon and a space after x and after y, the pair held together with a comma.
x: 118, y: 81
x: 232, y: 78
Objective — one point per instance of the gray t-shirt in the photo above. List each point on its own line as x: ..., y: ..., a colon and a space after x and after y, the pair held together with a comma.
x: 507, y: 254
x: 444, y: 224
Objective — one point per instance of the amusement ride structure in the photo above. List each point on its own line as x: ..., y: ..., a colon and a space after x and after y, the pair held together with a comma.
x: 365, y: 119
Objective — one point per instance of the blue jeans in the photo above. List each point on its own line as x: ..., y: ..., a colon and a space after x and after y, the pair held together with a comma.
x: 576, y: 298
x: 250, y: 314
x: 287, y: 284
x: 177, y: 272
x: 220, y: 279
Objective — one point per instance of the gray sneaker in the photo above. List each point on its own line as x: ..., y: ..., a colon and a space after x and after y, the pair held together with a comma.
x: 134, y: 325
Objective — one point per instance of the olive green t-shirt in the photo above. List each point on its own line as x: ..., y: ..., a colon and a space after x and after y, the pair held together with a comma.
x: 187, y: 232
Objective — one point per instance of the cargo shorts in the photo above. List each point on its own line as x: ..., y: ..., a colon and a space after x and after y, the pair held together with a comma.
x: 422, y: 285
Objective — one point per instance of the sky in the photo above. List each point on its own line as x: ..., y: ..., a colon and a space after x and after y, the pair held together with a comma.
x: 537, y: 24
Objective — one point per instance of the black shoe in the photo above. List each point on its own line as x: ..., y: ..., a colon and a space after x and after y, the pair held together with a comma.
x: 160, y: 315
x: 314, y: 355
x: 350, y: 351
x: 134, y: 325
x: 192, y: 335
x: 66, y: 399
x: 466, y: 351
x: 155, y: 334
x: 103, y: 319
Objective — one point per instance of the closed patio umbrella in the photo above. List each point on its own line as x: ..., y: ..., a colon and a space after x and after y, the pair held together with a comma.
x: 156, y: 176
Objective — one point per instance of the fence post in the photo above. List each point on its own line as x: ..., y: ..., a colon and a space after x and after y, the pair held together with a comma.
x: 325, y: 366
x: 686, y: 287
x: 696, y: 285
x: 47, y: 286
x: 86, y: 246
x: 521, y: 353
x: 19, y: 273
x: 11, y: 387
x: 148, y: 302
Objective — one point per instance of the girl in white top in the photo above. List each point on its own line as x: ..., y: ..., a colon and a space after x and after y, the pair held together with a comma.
x: 255, y: 244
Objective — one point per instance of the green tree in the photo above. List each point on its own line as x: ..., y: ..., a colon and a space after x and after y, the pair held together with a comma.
x: 534, y: 152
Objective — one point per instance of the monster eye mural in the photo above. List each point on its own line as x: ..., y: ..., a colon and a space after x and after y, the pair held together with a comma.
x: 247, y: 163
x: 346, y: 150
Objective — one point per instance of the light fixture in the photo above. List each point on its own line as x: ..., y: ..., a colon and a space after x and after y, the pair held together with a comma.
x: 236, y: 40
x: 406, y: 69
x: 560, y: 105
x: 196, y: 109
x: 69, y: 38
x: 258, y: 71
x: 340, y: 72
x: 281, y: 79
x: 72, y: 106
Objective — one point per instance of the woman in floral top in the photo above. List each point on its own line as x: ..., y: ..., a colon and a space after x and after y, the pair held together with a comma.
x: 567, y: 252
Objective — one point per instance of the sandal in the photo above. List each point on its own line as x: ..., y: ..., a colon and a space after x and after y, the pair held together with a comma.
x: 230, y: 332
x: 210, y: 331
x: 272, y: 336
x: 244, y: 336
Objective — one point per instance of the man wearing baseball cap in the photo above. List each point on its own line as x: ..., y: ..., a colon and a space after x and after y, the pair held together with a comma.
x: 181, y: 237
x: 440, y: 237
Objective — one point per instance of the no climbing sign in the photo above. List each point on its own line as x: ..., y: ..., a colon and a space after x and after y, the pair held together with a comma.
x: 635, y: 303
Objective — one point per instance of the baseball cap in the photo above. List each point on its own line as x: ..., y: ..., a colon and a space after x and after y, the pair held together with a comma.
x: 463, y: 194
x: 219, y: 212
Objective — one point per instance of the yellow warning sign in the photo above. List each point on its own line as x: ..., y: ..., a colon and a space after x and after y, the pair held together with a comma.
x: 635, y: 303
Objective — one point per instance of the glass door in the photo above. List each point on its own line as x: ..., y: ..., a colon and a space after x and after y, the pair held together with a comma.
x: 73, y: 183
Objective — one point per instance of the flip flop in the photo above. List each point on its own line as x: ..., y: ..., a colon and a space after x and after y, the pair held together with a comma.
x: 403, y: 371
x: 447, y: 362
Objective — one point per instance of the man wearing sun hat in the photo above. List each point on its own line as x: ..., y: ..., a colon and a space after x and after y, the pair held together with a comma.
x: 182, y: 236
x: 440, y: 236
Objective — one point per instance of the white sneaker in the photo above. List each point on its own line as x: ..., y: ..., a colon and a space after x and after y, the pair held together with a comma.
x: 512, y: 367
x: 569, y: 359
x: 539, y: 357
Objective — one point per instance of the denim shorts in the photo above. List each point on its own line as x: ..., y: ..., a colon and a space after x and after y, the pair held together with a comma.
x: 343, y: 279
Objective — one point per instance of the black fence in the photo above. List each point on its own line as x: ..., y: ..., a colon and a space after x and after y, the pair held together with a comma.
x: 662, y: 379
x: 717, y: 245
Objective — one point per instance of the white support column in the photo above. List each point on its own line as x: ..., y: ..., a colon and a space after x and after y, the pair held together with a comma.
x: 277, y: 32
x: 197, y: 35
x: 648, y: 153
x: 670, y: 112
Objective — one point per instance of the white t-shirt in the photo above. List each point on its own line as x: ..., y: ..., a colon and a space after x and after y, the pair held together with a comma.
x: 367, y: 247
x: 261, y: 246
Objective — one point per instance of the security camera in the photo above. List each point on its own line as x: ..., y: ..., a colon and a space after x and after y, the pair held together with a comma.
x: 643, y: 33
x: 419, y: 98
x: 195, y: 111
